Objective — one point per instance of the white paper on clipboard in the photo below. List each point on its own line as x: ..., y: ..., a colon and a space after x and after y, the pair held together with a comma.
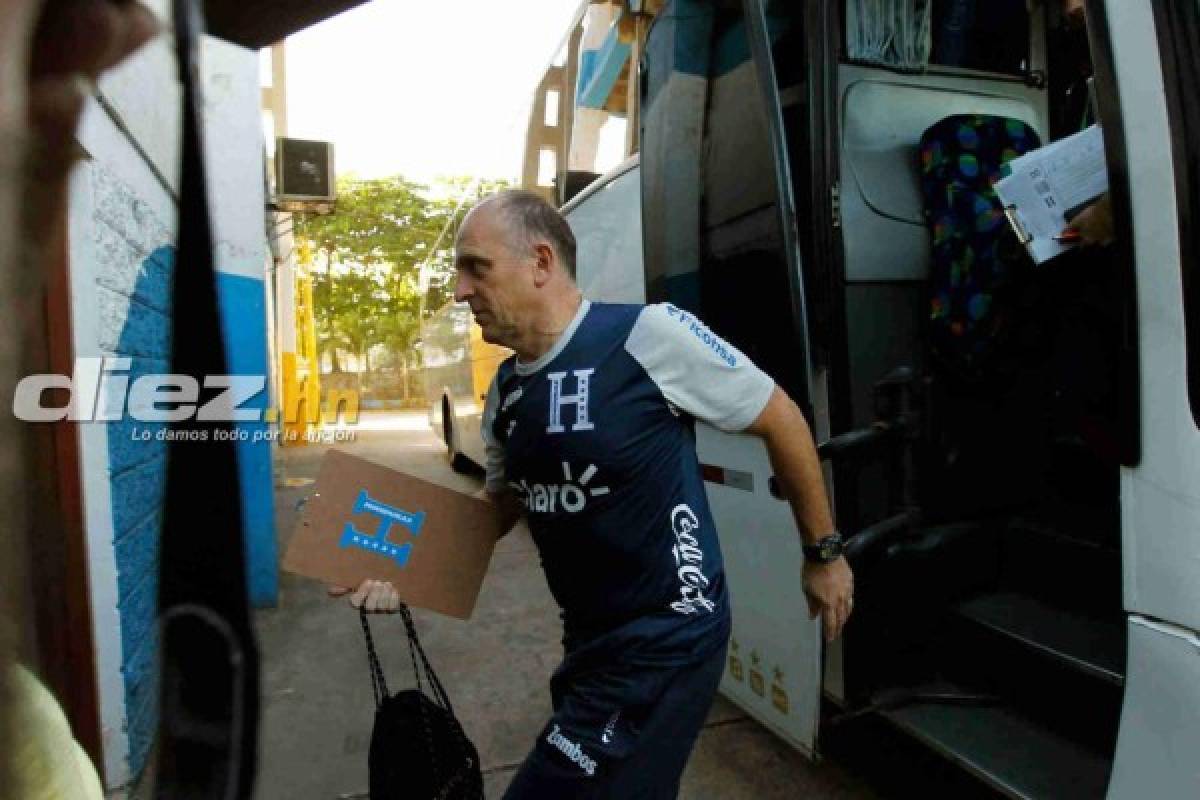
x: 1040, y: 187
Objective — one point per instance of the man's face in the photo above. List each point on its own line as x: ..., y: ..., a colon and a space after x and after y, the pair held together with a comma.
x: 493, y: 276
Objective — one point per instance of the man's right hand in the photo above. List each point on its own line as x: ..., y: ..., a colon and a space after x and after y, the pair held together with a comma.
x: 829, y: 589
x: 377, y: 597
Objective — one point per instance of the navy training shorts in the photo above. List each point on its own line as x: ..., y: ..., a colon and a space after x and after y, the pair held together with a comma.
x: 621, y: 733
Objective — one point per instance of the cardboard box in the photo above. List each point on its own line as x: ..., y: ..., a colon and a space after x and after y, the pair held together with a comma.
x: 365, y: 521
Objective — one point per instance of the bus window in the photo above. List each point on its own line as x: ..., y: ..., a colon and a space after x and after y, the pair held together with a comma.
x: 1179, y: 43
x: 712, y: 206
x: 990, y: 36
x: 607, y: 220
x: 744, y: 258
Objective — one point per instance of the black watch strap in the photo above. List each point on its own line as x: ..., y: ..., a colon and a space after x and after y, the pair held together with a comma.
x: 827, y: 549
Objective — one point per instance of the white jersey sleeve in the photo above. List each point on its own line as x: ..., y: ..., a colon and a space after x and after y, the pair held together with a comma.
x: 494, y: 480
x: 697, y: 371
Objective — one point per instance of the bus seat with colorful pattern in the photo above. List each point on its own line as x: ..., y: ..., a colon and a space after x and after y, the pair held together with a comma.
x: 976, y: 256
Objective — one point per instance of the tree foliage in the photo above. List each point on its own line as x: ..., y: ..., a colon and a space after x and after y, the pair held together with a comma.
x: 386, y: 248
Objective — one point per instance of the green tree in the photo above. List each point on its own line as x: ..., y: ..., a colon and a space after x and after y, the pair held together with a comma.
x: 368, y: 258
x: 400, y: 322
x: 345, y: 299
x: 378, y: 221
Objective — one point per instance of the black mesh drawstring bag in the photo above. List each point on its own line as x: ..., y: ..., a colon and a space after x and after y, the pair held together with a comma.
x: 418, y: 748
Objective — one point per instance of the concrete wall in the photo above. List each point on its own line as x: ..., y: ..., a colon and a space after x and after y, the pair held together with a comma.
x: 122, y: 234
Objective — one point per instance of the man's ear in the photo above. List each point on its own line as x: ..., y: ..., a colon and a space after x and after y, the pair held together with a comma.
x: 546, y: 263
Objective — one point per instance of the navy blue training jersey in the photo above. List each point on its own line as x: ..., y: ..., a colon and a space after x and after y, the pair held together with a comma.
x: 596, y: 439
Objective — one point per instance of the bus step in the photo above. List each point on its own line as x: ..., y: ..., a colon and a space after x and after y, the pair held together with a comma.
x: 1093, y: 646
x: 1007, y: 751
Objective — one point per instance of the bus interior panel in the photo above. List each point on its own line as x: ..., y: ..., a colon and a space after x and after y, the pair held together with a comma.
x: 997, y: 612
x: 1018, y: 550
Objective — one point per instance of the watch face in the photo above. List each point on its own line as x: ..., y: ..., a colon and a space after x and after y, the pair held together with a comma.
x: 831, y: 547
x: 826, y: 550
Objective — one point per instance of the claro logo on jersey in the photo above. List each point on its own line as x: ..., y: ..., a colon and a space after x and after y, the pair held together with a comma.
x: 571, y: 750
x: 570, y: 496
x: 689, y: 561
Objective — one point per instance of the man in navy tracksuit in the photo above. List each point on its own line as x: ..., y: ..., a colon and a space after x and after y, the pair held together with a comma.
x: 589, y: 433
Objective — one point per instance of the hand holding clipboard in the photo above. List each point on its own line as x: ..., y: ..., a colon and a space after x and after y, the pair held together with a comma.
x: 1043, y: 190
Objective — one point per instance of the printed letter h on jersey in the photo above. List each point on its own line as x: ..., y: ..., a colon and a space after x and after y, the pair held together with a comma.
x: 579, y: 400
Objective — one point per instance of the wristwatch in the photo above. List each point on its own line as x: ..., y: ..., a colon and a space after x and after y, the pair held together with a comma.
x: 825, y: 550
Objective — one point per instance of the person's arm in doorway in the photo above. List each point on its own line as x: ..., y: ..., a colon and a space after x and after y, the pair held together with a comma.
x: 1093, y: 226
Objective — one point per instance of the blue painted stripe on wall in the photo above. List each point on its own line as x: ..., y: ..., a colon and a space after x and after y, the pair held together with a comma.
x: 153, y: 287
x: 137, y: 552
x: 243, y: 318
x: 144, y: 331
x: 124, y: 451
x: 136, y: 493
x: 141, y: 673
x: 136, y: 324
x: 141, y: 697
x: 139, y: 603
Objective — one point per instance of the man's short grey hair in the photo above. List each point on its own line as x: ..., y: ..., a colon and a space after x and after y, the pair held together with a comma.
x: 537, y: 220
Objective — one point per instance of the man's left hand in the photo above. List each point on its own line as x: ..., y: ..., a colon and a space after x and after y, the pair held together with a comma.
x: 375, y: 597
x: 829, y: 589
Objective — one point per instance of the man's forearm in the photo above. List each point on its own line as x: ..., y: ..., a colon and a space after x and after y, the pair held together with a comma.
x: 828, y: 585
x: 794, y: 459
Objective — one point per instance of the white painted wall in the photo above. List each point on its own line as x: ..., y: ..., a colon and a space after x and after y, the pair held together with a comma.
x: 145, y: 92
x: 234, y: 149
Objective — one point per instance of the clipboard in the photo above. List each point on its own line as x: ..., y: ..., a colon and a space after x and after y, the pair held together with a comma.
x: 1044, y: 188
x: 1023, y: 236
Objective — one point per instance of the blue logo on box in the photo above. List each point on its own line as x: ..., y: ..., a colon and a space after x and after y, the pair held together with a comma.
x: 388, y: 516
